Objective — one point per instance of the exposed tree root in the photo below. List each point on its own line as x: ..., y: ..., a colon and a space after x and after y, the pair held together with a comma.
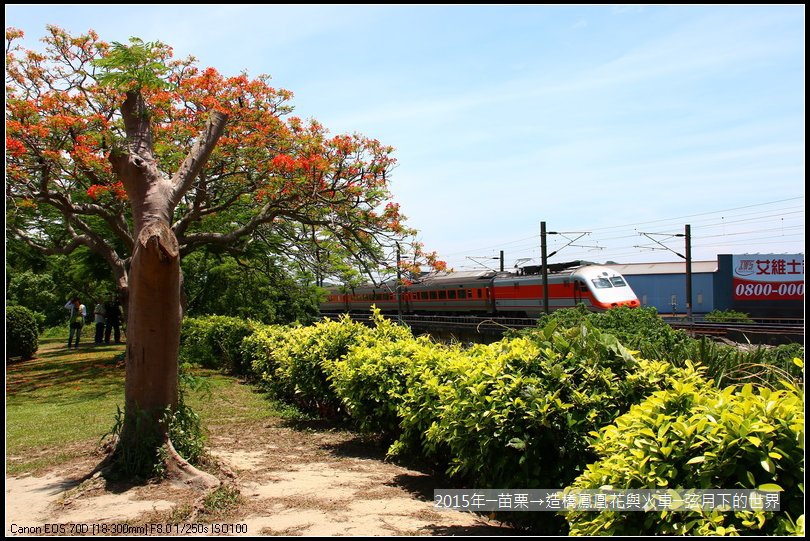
x: 178, y: 469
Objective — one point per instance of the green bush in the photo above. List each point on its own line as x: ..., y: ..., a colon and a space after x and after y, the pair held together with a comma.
x: 520, y: 415
x: 215, y: 342
x: 295, y: 362
x: 21, y: 333
x: 35, y: 291
x: 378, y: 369
x: 259, y: 351
x: 694, y: 436
x: 640, y: 329
x: 727, y: 316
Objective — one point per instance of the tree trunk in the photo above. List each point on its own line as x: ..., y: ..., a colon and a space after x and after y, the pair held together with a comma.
x: 153, y: 322
x: 153, y: 309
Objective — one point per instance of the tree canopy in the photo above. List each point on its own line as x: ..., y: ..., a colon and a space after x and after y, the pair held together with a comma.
x: 143, y: 158
x: 272, y: 178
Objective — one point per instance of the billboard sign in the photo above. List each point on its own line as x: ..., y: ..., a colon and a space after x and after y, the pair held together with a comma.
x: 768, y: 277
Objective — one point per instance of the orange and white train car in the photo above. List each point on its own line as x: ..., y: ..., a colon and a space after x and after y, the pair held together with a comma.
x: 491, y: 293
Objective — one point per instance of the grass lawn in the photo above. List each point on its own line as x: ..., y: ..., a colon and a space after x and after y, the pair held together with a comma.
x: 61, y: 403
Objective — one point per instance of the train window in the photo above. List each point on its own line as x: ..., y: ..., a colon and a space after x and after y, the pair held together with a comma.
x: 433, y: 295
x: 479, y: 292
x: 617, y: 281
x: 601, y: 283
x: 462, y: 293
x: 442, y: 294
x: 423, y: 295
x: 451, y: 294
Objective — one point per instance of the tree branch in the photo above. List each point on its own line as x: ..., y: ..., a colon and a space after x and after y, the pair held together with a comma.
x: 197, y: 156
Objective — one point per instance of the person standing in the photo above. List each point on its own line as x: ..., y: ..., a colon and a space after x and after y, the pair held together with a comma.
x: 77, y: 314
x: 100, y: 312
x: 113, y: 315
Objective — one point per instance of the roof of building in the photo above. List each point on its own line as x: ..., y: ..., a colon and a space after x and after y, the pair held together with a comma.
x: 630, y: 269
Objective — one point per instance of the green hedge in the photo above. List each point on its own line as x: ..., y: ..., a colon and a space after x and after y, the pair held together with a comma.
x: 295, y: 362
x: 520, y: 413
x: 696, y: 436
x: 642, y: 330
x: 215, y: 342
x: 22, y: 335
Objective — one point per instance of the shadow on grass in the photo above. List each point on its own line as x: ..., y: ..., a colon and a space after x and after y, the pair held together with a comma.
x: 55, y: 367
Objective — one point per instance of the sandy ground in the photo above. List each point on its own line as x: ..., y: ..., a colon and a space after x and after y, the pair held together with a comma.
x: 293, y: 480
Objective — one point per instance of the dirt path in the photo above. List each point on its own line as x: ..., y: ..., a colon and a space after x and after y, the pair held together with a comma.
x: 293, y: 480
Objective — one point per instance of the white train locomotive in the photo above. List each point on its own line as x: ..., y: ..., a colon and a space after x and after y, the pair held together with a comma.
x: 492, y: 293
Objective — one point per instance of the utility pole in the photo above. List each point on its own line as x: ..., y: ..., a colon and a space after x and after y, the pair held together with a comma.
x: 501, y: 260
x: 688, y: 241
x: 544, y: 263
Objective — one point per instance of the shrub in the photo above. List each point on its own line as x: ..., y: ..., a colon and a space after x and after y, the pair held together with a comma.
x: 727, y: 316
x: 259, y: 351
x: 696, y: 436
x: 641, y: 329
x: 374, y: 376
x: 21, y: 333
x: 295, y: 362
x: 215, y: 342
x: 520, y: 415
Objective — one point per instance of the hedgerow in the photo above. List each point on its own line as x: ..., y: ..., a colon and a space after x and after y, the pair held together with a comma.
x: 525, y: 412
x: 698, y: 437
x: 641, y: 329
x: 215, y: 342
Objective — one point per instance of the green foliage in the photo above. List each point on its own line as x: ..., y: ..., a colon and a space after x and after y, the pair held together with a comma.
x: 186, y: 432
x: 44, y: 283
x: 762, y: 365
x: 523, y: 412
x: 520, y: 414
x: 377, y: 372
x: 140, y: 451
x: 255, y: 286
x: 727, y: 316
x: 35, y: 291
x: 696, y: 436
x: 259, y: 352
x: 140, y: 65
x: 215, y: 342
x: 137, y: 453
x: 641, y: 329
x: 221, y: 500
x: 21, y: 333
x: 304, y: 365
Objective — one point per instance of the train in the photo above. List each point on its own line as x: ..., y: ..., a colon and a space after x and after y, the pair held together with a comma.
x: 489, y: 292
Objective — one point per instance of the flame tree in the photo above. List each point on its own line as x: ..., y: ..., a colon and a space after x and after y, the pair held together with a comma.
x: 143, y: 158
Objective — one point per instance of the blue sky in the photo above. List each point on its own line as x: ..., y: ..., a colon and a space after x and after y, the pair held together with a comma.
x: 610, y: 120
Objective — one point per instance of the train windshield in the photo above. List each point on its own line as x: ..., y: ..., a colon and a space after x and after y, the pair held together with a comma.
x: 601, y: 283
x: 618, y: 281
